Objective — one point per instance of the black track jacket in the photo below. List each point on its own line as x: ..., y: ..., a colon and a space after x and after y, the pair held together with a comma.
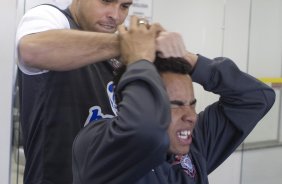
x: 131, y: 148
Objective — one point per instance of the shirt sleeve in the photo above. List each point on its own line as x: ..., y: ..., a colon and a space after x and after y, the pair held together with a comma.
x: 38, y: 19
x: 243, y: 102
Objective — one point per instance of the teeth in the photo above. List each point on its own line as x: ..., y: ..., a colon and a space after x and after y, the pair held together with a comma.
x: 184, y: 134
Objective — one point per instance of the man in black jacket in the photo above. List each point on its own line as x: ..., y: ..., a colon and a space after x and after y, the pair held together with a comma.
x: 157, y: 137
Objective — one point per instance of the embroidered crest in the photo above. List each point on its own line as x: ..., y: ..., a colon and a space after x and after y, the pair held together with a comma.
x: 187, y: 165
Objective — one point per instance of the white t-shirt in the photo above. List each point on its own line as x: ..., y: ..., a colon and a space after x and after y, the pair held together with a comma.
x: 38, y: 19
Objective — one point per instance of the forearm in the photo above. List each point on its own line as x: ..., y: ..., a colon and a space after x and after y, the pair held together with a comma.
x: 62, y: 50
x: 243, y: 101
x: 223, y: 77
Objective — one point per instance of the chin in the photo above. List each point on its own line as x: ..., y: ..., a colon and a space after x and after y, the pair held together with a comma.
x: 180, y: 151
x: 184, y: 151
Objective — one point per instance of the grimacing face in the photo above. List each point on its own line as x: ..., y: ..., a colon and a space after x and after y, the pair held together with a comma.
x: 183, y: 114
x: 100, y: 15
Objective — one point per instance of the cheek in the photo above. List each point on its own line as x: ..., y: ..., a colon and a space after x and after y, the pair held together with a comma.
x: 89, y: 16
x: 173, y: 124
x: 122, y: 16
x: 175, y: 116
x: 172, y: 137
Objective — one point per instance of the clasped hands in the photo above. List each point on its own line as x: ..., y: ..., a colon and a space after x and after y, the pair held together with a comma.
x: 142, y: 40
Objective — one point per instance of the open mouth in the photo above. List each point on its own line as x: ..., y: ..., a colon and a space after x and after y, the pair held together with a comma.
x: 185, y: 136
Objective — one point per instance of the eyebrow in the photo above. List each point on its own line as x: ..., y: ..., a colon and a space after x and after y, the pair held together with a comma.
x: 128, y: 3
x: 181, y: 103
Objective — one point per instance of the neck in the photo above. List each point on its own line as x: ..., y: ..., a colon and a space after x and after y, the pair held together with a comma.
x: 73, y: 8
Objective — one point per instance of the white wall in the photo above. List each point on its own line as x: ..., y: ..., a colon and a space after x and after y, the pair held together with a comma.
x: 7, y: 32
x: 229, y: 172
x: 262, y: 166
x: 265, y: 54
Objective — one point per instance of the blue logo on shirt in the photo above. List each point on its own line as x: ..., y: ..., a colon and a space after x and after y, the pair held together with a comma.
x: 95, y: 112
x: 111, y: 95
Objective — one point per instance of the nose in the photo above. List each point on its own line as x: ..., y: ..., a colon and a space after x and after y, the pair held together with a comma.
x: 189, y: 115
x: 114, y: 12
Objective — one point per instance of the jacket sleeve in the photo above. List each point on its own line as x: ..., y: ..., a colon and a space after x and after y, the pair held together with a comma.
x: 243, y: 102
x: 123, y: 149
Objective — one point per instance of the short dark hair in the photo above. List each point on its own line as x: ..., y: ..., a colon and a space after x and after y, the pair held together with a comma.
x: 174, y: 65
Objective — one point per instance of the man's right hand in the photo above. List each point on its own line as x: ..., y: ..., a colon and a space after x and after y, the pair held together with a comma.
x: 138, y: 41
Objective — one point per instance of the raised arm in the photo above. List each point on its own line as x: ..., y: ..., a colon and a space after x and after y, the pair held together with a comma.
x: 243, y: 102
x: 46, y: 42
x: 65, y: 49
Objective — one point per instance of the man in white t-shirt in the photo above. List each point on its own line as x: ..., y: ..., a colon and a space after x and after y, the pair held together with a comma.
x: 65, y: 78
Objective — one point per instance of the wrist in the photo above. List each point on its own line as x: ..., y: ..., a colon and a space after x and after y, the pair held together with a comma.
x: 191, y: 58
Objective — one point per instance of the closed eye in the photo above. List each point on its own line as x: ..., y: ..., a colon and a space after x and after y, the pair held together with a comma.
x: 179, y: 104
x: 107, y: 1
x: 126, y: 5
